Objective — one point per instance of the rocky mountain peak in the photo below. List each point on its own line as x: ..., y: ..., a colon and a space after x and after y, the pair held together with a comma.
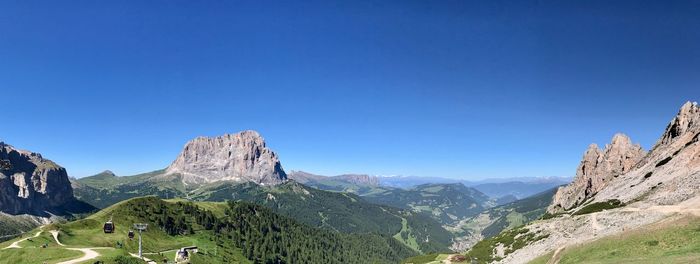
x: 688, y: 118
x: 361, y: 179
x: 31, y: 184
x: 232, y: 157
x: 597, y: 168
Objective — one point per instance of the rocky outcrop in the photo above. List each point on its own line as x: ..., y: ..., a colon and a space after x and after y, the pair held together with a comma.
x: 597, y: 168
x: 663, y: 185
x: 237, y: 157
x: 359, y: 179
x: 31, y: 184
x: 670, y: 173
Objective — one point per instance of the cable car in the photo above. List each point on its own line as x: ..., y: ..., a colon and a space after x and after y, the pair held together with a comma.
x: 108, y: 227
x: 131, y: 234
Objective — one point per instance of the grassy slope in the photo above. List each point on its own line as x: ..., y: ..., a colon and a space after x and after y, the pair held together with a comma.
x: 34, y: 255
x: 446, y: 203
x: 343, y: 212
x: 12, y: 226
x: 666, y: 242
x: 105, y: 189
x: 511, y: 215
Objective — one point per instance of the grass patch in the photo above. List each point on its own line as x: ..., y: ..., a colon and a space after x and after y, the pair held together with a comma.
x: 422, y: 259
x: 512, y: 240
x: 677, y: 242
x: 406, y: 237
x: 37, y: 255
x: 597, y: 207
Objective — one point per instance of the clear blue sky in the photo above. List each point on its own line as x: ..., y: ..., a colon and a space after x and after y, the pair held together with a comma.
x: 463, y: 89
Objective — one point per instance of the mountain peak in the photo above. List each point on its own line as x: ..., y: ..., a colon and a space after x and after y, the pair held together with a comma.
x: 30, y: 184
x: 232, y: 157
x: 688, y: 118
x: 597, y: 169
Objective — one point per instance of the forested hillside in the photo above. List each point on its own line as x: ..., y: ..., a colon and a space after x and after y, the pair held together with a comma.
x: 263, y: 236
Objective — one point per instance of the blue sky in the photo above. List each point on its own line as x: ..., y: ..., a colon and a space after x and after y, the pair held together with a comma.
x: 462, y: 89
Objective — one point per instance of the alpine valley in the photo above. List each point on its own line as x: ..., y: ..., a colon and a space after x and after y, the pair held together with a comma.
x: 230, y: 197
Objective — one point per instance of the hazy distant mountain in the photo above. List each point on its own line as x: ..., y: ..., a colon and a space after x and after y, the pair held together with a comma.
x: 352, y: 183
x: 519, y: 187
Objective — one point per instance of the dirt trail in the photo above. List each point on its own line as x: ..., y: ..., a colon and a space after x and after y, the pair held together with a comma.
x: 90, y: 253
x: 556, y: 256
x: 691, y: 206
x: 16, y: 243
x: 594, y: 222
x: 147, y: 260
x: 54, y: 233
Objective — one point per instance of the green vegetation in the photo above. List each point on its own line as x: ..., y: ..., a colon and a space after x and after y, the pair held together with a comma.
x: 446, y: 203
x: 511, y: 240
x: 517, y: 213
x: 674, y: 242
x: 600, y: 206
x: 421, y: 259
x: 342, y: 212
x: 244, y: 232
x: 37, y: 255
x: 406, y: 237
x: 13, y: 226
x: 106, y: 189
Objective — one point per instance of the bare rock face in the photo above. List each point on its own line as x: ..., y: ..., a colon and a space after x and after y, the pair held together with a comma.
x: 597, y: 169
x: 670, y: 173
x: 360, y: 179
x: 233, y: 157
x: 29, y: 183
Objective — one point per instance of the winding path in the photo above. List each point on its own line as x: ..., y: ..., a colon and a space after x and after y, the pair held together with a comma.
x: 54, y: 233
x: 16, y: 243
x: 690, y: 206
x: 90, y: 253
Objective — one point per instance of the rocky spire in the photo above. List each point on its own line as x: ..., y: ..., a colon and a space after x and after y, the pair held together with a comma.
x: 596, y: 170
x: 686, y: 120
x: 232, y: 157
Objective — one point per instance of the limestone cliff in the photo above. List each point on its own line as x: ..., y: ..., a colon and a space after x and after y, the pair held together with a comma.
x: 238, y: 157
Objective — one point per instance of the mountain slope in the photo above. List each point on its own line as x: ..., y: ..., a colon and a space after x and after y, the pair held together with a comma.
x: 446, y: 203
x: 105, y: 189
x: 359, y: 184
x: 674, y: 241
x: 242, y: 232
x: 663, y: 183
x: 342, y: 212
x: 495, y: 220
x: 33, y: 190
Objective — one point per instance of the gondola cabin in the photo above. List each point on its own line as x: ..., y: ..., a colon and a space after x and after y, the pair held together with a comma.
x: 108, y: 227
x: 131, y: 234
